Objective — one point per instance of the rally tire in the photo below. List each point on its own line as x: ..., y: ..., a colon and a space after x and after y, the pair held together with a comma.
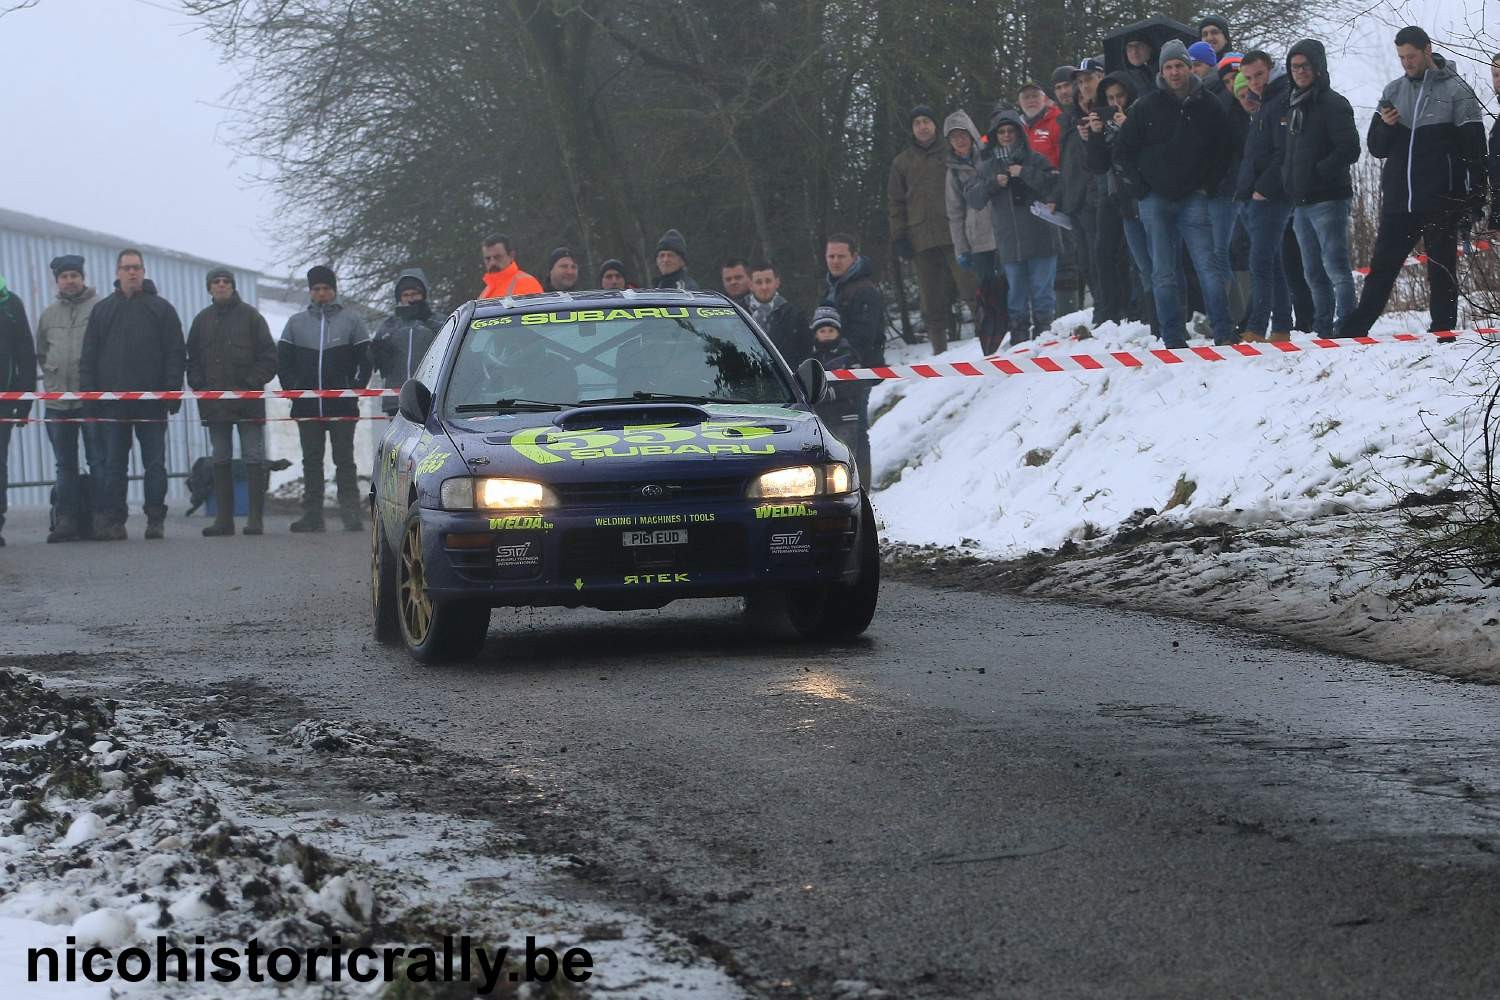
x: 842, y: 611
x: 383, y: 585
x: 433, y: 631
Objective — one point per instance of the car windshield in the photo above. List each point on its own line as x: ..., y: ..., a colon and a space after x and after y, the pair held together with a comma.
x: 568, y: 357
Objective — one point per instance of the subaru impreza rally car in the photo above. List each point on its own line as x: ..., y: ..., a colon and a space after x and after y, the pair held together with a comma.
x: 615, y: 450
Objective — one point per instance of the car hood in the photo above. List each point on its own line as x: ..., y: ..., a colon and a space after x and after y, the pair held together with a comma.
x: 590, y: 444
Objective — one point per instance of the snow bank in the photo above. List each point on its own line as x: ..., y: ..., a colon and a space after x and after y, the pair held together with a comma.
x: 1007, y: 465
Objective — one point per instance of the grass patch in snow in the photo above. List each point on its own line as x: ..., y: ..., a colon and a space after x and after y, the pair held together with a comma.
x: 1182, y: 493
x: 1037, y: 457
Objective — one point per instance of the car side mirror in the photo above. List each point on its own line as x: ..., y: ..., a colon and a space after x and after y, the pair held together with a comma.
x: 813, y: 379
x: 415, y: 402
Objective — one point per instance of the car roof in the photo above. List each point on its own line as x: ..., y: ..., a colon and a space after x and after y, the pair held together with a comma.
x: 549, y: 301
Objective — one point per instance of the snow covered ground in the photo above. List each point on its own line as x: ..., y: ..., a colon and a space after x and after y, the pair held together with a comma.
x: 1001, y: 467
x: 121, y: 824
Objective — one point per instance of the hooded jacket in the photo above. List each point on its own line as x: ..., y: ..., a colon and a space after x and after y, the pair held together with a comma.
x: 1434, y: 157
x: 1100, y: 148
x: 1322, y: 142
x: 971, y: 228
x: 1019, y: 235
x: 914, y: 196
x: 59, y: 343
x: 324, y: 347
x: 17, y: 353
x: 1044, y: 133
x: 1259, y: 169
x: 841, y: 406
x: 133, y: 343
x: 402, y: 339
x: 861, y: 309
x: 229, y: 346
x: 511, y: 281
x: 1175, y: 146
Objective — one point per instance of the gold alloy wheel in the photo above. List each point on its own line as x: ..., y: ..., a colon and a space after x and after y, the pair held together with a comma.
x: 375, y: 562
x: 416, y: 606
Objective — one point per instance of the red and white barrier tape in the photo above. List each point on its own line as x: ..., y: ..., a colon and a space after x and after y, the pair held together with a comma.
x: 1053, y: 364
x: 218, y: 394
x: 162, y: 420
x: 1480, y: 246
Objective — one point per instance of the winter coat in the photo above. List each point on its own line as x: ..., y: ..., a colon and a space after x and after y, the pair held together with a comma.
x: 324, y: 347
x: 971, y: 228
x: 1322, y: 142
x: 914, y: 196
x: 1019, y: 235
x: 1076, y: 188
x: 680, y: 280
x: 861, y: 310
x: 840, y: 405
x: 402, y: 340
x: 511, y: 281
x: 787, y: 327
x: 1175, y: 146
x: 1045, y: 134
x: 1259, y: 169
x: 1494, y: 222
x: 1435, y: 155
x: 59, y: 344
x: 229, y: 346
x: 1239, y: 135
x: 1099, y: 148
x: 17, y: 354
x: 1142, y: 78
x: 133, y: 344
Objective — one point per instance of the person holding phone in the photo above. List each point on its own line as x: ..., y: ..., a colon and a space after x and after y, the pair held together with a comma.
x: 1429, y: 130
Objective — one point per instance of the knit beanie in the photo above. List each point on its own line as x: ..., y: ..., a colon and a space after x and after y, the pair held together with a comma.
x: 1231, y: 61
x: 1174, y: 49
x: 559, y: 254
x: 1202, y: 52
x: 672, y: 240
x: 611, y: 265
x: 220, y: 272
x: 1217, y: 22
x: 827, y: 316
x: 321, y: 275
x: 1241, y: 84
x: 922, y: 111
x: 67, y: 262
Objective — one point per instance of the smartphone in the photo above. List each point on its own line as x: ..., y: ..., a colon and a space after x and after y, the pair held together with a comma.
x: 1384, y: 104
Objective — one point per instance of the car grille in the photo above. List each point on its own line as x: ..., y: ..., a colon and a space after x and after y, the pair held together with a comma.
x: 680, y: 491
x: 591, y: 551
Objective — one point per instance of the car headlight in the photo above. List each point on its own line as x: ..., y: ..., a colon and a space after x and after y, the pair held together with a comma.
x: 495, y: 494
x: 832, y: 479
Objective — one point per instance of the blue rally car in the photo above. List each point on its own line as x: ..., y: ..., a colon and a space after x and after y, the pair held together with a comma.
x: 615, y: 450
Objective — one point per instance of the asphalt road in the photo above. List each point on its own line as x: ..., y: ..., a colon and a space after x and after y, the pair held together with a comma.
x: 987, y: 797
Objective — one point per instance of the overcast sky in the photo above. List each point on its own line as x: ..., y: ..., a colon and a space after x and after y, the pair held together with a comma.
x: 115, y: 113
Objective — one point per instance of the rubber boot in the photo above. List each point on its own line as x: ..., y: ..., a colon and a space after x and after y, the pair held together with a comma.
x: 223, y: 501
x: 156, y: 524
x: 255, y: 474
x: 310, y: 521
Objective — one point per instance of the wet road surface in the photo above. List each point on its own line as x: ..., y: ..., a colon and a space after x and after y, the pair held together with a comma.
x: 986, y: 797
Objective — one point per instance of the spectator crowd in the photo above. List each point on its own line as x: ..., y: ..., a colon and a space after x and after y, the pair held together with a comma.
x: 1169, y: 174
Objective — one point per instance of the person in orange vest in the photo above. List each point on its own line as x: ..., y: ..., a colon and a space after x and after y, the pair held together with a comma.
x: 502, y: 275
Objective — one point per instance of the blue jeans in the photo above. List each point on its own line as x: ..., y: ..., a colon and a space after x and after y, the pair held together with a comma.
x: 1030, y: 291
x: 64, y: 438
x: 1323, y: 234
x: 1170, y: 224
x: 152, y: 436
x: 1223, y: 212
x: 1270, y: 298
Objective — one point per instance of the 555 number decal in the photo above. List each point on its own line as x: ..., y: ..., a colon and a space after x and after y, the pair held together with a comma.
x: 544, y: 445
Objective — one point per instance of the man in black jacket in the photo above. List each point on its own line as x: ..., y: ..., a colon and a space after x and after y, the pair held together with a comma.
x: 851, y: 289
x: 1322, y: 143
x: 17, y: 374
x: 783, y: 322
x: 133, y: 342
x: 1429, y: 130
x: 1494, y: 220
x: 229, y: 346
x: 671, y: 262
x: 325, y: 347
x: 1266, y: 208
x: 1174, y: 146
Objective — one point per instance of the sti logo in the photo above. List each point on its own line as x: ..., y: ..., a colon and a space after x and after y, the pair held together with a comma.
x: 793, y: 538
x: 512, y: 551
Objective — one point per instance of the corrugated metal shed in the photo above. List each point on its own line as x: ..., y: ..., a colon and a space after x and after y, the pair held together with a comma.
x: 27, y: 246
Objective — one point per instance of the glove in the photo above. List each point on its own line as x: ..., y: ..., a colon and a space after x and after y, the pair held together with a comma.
x: 903, y: 248
x: 966, y: 261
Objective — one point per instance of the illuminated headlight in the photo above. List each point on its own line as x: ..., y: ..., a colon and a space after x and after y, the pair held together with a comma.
x: 495, y: 494
x: 832, y: 479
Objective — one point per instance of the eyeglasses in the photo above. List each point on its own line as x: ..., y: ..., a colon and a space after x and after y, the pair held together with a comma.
x: 131, y: 267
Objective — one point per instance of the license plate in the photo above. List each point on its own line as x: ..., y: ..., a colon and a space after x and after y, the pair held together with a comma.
x: 668, y: 537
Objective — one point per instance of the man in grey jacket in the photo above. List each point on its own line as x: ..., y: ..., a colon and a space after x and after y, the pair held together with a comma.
x: 59, y: 350
x: 325, y: 347
x: 972, y: 230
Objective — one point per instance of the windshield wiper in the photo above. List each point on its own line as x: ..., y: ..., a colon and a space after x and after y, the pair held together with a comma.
x: 511, y: 405
x: 660, y: 397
